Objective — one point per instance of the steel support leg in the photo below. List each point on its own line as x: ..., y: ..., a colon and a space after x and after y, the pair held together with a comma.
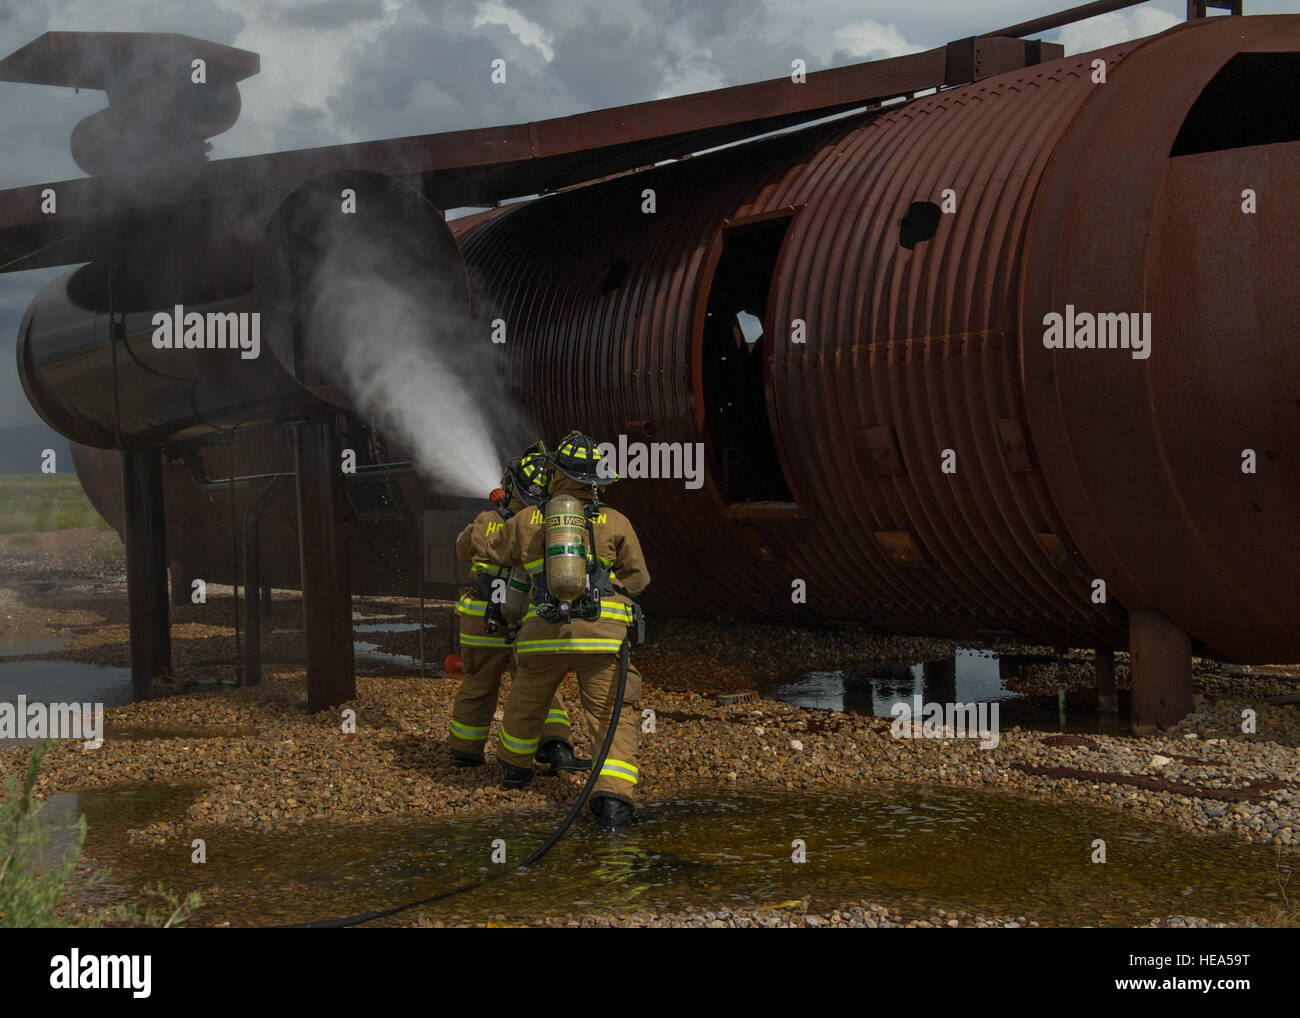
x: 146, y: 566
x: 1160, y: 659
x: 326, y: 585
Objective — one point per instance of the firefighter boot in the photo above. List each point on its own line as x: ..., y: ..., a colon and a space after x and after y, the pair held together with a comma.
x: 613, y: 811
x: 515, y: 777
x: 559, y: 754
x: 461, y: 760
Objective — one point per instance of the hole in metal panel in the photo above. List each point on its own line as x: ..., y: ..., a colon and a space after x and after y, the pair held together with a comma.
x: 920, y: 224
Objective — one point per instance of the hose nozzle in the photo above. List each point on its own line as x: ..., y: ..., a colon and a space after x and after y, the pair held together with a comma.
x: 497, y: 497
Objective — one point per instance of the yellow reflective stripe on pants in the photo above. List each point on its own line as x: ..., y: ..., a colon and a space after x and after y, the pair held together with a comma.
x: 557, y: 717
x: 521, y: 746
x: 570, y: 644
x: 471, y: 640
x: 468, y: 732
x: 619, y: 769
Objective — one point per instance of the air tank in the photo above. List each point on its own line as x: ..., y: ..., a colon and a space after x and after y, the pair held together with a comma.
x: 517, y: 596
x: 566, y: 548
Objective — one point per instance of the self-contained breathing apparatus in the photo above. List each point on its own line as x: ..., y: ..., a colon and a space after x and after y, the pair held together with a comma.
x: 572, y: 581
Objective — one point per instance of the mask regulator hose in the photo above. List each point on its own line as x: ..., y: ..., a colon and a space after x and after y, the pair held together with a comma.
x: 596, y: 767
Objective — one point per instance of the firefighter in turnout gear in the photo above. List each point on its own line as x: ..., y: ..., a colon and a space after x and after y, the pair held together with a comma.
x: 486, y: 638
x: 586, y: 567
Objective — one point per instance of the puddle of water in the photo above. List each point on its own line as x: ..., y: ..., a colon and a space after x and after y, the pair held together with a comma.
x: 970, y: 676
x: 64, y: 682
x: 109, y: 813
x: 61, y: 682
x: 12, y: 646
x: 909, y: 847
x: 369, y: 653
x: 389, y: 627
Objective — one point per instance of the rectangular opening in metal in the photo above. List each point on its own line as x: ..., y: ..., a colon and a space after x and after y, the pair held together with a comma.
x: 735, y: 352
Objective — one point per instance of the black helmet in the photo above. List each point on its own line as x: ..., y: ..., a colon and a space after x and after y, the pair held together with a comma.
x: 578, y: 457
x: 529, y: 476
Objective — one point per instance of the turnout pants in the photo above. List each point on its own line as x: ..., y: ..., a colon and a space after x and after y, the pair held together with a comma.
x: 538, y: 676
x: 476, y: 699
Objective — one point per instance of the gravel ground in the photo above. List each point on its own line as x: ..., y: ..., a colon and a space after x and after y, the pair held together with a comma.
x: 265, y: 764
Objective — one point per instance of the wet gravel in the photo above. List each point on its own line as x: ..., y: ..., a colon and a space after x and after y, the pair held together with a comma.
x: 264, y: 764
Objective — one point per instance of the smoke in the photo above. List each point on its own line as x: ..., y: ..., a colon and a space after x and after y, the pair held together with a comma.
x: 396, y: 336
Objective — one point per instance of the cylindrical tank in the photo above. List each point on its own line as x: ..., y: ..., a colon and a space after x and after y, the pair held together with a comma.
x: 894, y: 439
x: 566, y: 548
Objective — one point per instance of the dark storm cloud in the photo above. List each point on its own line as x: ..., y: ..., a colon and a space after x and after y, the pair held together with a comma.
x: 333, y: 13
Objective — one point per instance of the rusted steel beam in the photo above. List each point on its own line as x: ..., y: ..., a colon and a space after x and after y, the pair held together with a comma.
x: 600, y: 142
x: 326, y: 585
x: 91, y: 59
x: 1062, y: 18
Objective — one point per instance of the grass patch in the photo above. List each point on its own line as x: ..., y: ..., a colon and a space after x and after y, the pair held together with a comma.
x: 34, y: 503
x: 110, y: 553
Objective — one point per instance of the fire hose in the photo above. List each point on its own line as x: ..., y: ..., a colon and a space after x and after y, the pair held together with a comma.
x: 596, y: 767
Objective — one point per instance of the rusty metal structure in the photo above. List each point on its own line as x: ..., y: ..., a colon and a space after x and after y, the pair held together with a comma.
x: 898, y: 437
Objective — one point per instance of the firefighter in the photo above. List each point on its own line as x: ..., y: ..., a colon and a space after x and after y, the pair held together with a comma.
x: 566, y: 628
x: 486, y: 640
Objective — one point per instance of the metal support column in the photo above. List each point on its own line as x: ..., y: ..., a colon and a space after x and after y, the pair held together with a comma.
x: 146, y: 566
x: 1160, y: 660
x: 326, y: 585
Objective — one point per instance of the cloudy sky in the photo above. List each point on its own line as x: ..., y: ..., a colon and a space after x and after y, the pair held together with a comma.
x: 346, y: 70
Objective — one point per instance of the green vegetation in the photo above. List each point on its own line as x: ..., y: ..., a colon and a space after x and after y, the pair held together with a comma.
x: 30, y: 503
x: 34, y: 885
x: 111, y: 553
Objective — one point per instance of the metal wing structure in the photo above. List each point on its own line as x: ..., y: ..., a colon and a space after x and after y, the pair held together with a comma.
x: 901, y: 438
